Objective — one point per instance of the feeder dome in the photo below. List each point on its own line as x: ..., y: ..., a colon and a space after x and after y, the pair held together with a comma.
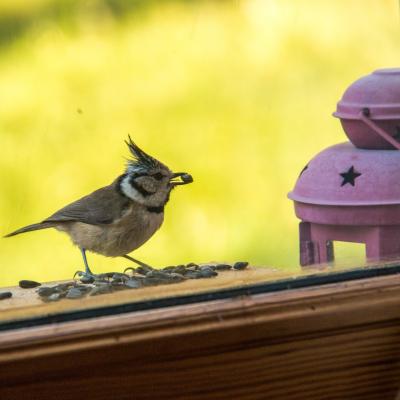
x: 343, y: 175
x: 376, y: 96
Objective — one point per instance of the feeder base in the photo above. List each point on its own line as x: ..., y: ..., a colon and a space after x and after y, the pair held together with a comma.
x: 317, y: 241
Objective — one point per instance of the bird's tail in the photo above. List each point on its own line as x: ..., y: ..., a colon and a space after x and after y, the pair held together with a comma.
x: 33, y: 227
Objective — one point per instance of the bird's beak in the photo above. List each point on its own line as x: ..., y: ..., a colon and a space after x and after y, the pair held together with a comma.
x: 184, y: 178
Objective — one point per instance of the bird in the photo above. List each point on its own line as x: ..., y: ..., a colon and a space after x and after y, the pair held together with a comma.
x: 119, y: 218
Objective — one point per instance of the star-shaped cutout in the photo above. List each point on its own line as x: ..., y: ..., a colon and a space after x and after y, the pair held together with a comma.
x: 350, y: 176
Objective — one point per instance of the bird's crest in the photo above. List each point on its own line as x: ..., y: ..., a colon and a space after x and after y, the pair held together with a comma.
x: 140, y: 158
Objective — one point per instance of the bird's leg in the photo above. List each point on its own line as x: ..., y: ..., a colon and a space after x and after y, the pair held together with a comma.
x: 142, y: 264
x: 87, y: 269
x: 88, y: 274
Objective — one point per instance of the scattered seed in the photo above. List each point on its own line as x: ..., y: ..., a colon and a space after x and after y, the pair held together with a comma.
x: 193, y: 274
x: 87, y: 279
x: 46, y: 291
x: 101, y: 283
x: 158, y: 274
x: 5, y: 295
x: 175, y: 277
x: 102, y: 277
x: 54, y: 297
x: 222, y: 267
x: 133, y: 284
x: 153, y: 281
x: 117, y: 276
x: 65, y: 286
x: 169, y: 268
x: 207, y: 272
x: 26, y: 284
x: 111, y: 274
x: 142, y: 270
x: 74, y: 293
x: 100, y: 290
x: 115, y: 286
x: 83, y: 288
x: 114, y: 281
x: 180, y: 269
x: 240, y: 265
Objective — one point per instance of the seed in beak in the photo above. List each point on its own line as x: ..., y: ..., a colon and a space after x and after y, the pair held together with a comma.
x: 185, y: 178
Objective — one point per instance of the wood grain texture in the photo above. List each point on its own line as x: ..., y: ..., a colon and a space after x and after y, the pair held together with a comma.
x: 338, y: 341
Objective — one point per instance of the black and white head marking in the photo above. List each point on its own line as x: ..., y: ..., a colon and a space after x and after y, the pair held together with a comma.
x: 148, y: 181
x: 143, y: 190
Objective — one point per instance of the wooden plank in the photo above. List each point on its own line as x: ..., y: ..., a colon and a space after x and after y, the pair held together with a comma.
x: 338, y: 341
x: 26, y: 302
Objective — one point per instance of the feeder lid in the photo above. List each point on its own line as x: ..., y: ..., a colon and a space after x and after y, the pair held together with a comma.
x: 379, y: 92
x: 344, y: 175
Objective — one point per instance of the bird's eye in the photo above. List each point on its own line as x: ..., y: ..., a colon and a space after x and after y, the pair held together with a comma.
x: 158, y: 176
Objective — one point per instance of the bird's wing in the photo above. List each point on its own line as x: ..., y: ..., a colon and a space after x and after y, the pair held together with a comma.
x: 103, y: 206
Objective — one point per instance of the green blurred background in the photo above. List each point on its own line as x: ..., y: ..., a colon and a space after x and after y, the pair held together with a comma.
x: 238, y: 93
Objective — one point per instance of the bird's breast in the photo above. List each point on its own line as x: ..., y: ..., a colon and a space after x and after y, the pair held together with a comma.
x: 120, y: 237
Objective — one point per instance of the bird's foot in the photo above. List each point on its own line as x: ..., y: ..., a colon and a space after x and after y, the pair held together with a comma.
x: 141, y: 269
x: 86, y: 277
x: 133, y: 270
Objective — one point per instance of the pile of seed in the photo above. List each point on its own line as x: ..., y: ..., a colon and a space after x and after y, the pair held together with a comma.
x: 133, y: 278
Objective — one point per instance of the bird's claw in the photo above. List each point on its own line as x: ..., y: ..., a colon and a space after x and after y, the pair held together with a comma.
x: 141, y: 269
x: 85, y: 277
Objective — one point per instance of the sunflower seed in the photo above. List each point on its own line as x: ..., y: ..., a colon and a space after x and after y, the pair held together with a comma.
x: 133, y: 283
x: 101, y: 283
x: 5, y: 295
x: 83, y: 288
x: 27, y: 284
x: 175, y: 277
x: 117, y: 285
x: 100, y: 290
x: 74, y: 293
x: 207, y: 272
x: 169, y: 268
x: 222, y: 267
x: 65, y: 286
x: 142, y: 270
x: 180, y: 269
x: 120, y: 277
x: 193, y: 274
x: 103, y: 277
x: 54, y: 297
x: 46, y: 291
x: 157, y: 274
x: 153, y: 281
x: 87, y: 279
x: 240, y: 265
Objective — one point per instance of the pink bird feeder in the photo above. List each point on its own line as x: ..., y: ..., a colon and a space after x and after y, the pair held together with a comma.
x: 350, y: 192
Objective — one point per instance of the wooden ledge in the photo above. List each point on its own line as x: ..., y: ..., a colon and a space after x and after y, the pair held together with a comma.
x: 338, y: 341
